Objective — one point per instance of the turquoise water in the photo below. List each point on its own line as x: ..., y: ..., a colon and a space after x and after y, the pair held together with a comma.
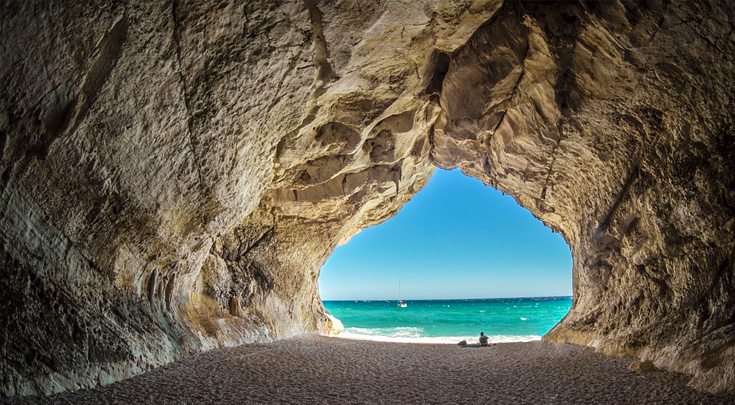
x: 448, y: 321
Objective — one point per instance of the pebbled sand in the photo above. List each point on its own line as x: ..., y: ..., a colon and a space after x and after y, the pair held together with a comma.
x: 314, y: 369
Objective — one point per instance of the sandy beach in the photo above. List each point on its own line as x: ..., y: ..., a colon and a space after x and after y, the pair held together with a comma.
x: 314, y: 369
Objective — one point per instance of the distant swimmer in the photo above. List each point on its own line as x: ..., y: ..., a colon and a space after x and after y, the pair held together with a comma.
x: 483, y: 339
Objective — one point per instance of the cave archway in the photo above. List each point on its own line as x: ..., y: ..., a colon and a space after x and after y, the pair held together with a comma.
x: 167, y: 194
x: 469, y: 259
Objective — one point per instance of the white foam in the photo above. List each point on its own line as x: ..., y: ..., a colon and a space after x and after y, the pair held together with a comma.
x: 397, y: 332
x: 351, y: 333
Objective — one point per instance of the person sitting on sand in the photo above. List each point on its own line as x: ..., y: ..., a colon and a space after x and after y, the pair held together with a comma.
x: 483, y: 339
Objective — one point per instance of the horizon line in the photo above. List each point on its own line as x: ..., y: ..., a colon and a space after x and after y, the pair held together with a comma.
x: 449, y: 299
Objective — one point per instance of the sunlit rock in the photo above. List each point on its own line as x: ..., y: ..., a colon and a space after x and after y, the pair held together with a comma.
x: 175, y: 174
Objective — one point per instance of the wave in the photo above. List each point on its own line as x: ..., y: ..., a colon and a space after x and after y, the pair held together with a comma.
x: 398, y: 332
x: 414, y: 335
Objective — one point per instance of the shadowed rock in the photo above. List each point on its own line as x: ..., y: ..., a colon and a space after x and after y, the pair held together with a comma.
x: 174, y: 176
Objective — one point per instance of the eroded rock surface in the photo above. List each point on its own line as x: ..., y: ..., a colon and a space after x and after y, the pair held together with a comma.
x: 174, y: 174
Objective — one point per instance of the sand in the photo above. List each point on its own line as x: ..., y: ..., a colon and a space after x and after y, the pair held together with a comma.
x: 314, y: 369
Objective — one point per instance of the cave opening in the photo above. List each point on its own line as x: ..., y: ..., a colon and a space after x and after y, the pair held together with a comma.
x: 464, y: 257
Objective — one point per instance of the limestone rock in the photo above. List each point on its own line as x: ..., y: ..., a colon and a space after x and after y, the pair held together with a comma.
x: 174, y: 174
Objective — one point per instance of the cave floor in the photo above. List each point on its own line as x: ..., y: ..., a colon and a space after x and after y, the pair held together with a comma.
x: 329, y: 370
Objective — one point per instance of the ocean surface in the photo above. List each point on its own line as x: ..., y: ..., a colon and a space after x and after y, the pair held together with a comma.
x: 449, y: 321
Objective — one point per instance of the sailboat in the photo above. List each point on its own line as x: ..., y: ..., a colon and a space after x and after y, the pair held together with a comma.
x: 401, y: 303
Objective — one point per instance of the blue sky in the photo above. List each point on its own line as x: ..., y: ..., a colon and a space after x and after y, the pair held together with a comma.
x: 457, y: 238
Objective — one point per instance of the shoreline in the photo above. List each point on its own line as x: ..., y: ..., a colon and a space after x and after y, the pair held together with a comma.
x: 447, y: 321
x: 442, y: 340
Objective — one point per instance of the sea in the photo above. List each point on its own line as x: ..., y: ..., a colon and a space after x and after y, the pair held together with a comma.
x: 450, y: 321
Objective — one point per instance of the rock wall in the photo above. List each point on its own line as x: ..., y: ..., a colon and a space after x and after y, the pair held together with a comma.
x: 174, y: 174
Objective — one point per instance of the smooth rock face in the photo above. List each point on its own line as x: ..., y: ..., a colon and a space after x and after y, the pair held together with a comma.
x: 174, y: 174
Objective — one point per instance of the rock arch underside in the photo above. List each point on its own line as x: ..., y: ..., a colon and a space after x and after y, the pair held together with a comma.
x: 174, y: 174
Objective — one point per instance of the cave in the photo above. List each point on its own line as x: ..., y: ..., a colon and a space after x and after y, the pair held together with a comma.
x: 175, y: 174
